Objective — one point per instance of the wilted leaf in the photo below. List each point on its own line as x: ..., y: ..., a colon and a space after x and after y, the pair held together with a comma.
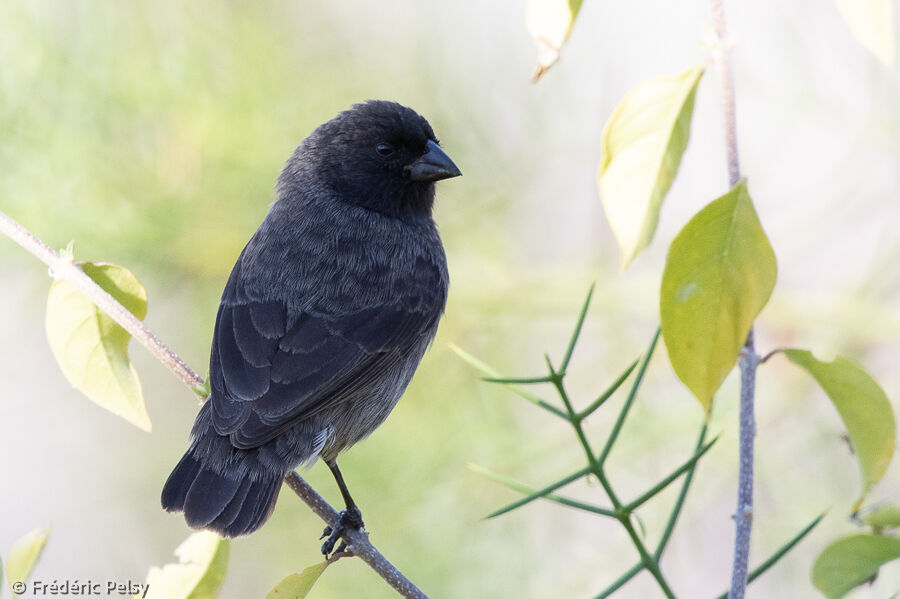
x: 884, y: 516
x: 719, y: 274
x: 297, y: 586
x: 24, y: 555
x: 91, y: 349
x: 863, y: 406
x: 643, y: 142
x: 550, y: 22
x: 849, y: 562
x: 872, y: 24
x: 199, y: 573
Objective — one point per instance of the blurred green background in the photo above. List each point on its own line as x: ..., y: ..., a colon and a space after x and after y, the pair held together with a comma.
x: 152, y: 133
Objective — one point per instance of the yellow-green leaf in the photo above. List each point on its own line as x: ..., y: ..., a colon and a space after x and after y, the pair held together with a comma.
x: 297, y: 586
x: 199, y: 573
x: 91, y: 349
x: 847, y: 563
x: 863, y: 406
x: 872, y: 24
x: 719, y: 274
x: 24, y: 555
x: 643, y: 142
x: 550, y: 22
x: 883, y: 516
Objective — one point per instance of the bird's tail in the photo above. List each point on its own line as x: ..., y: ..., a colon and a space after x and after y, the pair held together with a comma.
x: 229, y: 505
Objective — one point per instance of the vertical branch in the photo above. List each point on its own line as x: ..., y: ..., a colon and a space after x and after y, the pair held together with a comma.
x: 722, y: 55
x: 743, y: 516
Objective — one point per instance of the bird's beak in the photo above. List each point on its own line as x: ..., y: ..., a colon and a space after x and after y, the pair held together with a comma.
x: 433, y: 165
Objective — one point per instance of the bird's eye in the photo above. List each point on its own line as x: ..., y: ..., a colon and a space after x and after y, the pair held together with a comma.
x: 384, y: 149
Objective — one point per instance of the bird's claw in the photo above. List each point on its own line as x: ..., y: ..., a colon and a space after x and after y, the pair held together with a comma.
x: 351, y: 518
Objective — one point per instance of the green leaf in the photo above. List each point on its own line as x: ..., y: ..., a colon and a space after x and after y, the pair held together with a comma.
x: 851, y: 561
x: 643, y: 142
x: 91, y: 349
x: 24, y: 555
x: 872, y: 24
x: 550, y: 22
x: 199, y: 573
x: 863, y: 406
x: 719, y: 274
x: 297, y: 586
x: 883, y: 516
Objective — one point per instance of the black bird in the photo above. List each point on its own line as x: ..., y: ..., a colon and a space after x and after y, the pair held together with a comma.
x: 323, y: 320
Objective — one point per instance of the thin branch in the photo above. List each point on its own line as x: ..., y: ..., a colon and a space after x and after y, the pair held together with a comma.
x: 357, y: 540
x: 743, y: 516
x: 749, y: 362
x: 722, y: 56
x: 64, y: 269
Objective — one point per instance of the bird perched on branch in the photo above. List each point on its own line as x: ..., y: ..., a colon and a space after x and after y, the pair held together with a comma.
x: 323, y: 320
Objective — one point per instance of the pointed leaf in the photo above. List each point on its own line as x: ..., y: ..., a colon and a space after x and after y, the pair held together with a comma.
x: 849, y: 562
x: 550, y: 22
x: 297, y: 586
x: 643, y: 142
x: 91, y: 349
x: 719, y: 274
x: 872, y: 24
x: 24, y: 555
x: 863, y: 406
x: 199, y: 573
x: 883, y: 516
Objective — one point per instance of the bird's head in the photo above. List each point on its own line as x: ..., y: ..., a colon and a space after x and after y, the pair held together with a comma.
x: 378, y: 155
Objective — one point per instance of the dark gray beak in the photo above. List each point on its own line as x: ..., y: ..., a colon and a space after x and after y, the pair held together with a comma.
x: 433, y: 165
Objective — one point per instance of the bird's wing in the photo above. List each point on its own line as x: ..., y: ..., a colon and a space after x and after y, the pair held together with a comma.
x: 270, y: 369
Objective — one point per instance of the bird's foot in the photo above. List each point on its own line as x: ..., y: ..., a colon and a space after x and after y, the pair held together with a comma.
x: 350, y: 518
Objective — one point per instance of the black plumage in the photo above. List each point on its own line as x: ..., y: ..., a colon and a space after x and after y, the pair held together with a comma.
x: 324, y: 318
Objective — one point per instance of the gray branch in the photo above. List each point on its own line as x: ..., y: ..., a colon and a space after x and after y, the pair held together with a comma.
x: 743, y: 516
x: 62, y: 268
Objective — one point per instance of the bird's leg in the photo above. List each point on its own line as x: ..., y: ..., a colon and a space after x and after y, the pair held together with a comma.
x: 350, y: 517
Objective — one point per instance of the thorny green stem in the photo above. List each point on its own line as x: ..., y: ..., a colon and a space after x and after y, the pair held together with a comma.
x: 608, y: 393
x: 541, y: 492
x: 623, y: 515
x: 658, y: 487
x: 621, y: 581
x: 623, y: 413
x: 679, y: 503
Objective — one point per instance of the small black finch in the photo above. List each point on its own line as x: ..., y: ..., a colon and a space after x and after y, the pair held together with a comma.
x: 323, y: 320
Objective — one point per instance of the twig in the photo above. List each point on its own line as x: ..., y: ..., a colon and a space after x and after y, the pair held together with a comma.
x: 743, y: 517
x: 64, y: 269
